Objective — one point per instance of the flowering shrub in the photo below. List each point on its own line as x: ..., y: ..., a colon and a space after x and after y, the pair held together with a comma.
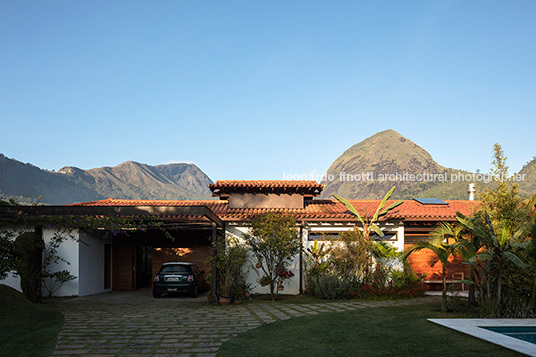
x: 284, y: 273
x: 390, y: 291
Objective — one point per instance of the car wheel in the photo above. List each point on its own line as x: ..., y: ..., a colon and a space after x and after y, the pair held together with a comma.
x: 194, y: 292
x: 156, y: 295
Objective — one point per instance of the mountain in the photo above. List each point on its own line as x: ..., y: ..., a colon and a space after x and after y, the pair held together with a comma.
x: 129, y: 180
x: 363, y: 171
x: 527, y: 186
x: 370, y: 168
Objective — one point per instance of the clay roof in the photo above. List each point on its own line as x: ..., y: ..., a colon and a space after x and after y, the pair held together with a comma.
x: 315, y: 210
x: 290, y: 186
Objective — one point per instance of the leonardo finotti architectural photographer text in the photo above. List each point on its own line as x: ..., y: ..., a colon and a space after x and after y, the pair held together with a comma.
x: 406, y: 177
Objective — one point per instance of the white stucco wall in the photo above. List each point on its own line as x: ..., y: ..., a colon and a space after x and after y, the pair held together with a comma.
x: 68, y: 250
x: 292, y: 286
x: 91, y: 263
x: 12, y: 281
x: 389, y: 228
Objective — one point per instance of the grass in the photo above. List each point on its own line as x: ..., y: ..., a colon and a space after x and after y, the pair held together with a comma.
x: 289, y: 299
x: 26, y: 329
x: 380, y: 331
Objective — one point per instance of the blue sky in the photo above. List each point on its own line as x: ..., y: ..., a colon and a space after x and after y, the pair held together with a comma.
x: 256, y: 89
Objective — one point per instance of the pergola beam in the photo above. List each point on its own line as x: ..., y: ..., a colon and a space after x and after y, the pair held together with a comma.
x: 146, y: 211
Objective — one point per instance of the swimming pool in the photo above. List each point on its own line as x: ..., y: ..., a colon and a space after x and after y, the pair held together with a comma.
x: 525, y: 333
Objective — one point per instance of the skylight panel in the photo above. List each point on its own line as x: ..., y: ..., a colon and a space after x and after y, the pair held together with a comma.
x: 430, y: 201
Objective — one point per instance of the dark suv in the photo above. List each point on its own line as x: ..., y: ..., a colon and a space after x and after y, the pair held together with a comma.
x: 178, y: 278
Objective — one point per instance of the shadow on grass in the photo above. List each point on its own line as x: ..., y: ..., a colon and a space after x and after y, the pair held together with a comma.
x: 380, y: 331
x: 27, y: 329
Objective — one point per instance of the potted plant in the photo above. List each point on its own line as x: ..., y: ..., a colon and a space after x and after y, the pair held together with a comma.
x: 230, y: 261
x: 225, y: 287
x: 247, y: 290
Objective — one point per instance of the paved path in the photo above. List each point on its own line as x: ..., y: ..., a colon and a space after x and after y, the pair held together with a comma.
x: 135, y: 324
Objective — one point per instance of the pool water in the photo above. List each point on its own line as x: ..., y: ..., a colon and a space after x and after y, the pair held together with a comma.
x: 525, y: 333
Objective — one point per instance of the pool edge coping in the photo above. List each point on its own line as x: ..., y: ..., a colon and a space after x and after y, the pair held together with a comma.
x: 473, y: 328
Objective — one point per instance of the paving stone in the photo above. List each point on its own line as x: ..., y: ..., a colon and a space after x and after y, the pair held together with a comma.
x: 198, y: 350
x: 116, y: 323
x: 70, y: 352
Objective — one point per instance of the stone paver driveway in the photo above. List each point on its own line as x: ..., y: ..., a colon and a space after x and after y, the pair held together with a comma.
x: 135, y: 324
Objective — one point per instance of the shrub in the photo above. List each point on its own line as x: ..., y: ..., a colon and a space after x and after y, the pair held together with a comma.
x: 230, y: 261
x: 52, y: 282
x: 328, y: 287
x: 391, y: 291
x: 28, y: 248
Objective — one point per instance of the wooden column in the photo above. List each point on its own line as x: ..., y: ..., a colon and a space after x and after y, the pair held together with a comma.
x: 214, y: 299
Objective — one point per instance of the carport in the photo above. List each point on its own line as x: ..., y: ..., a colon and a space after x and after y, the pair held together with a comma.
x: 131, y: 258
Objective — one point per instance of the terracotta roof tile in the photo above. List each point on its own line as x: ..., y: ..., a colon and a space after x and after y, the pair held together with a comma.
x: 315, y: 210
x: 265, y: 184
x: 223, y: 188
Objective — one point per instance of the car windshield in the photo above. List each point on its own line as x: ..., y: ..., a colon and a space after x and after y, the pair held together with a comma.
x: 175, y: 269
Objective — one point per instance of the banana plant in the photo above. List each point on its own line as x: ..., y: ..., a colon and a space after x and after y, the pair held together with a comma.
x: 369, y: 225
x: 366, y: 225
x: 500, y: 246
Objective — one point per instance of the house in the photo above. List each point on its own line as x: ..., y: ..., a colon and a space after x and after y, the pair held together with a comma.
x: 104, y: 262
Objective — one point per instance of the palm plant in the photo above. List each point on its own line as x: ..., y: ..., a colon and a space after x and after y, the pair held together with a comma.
x: 317, y: 258
x: 385, y: 256
x: 468, y: 249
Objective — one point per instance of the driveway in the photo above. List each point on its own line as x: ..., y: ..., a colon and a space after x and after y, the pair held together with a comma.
x: 135, y: 324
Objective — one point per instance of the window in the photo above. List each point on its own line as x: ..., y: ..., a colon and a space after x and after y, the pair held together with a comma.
x: 416, y: 238
x: 323, y: 235
x: 184, y: 269
x: 335, y: 235
x: 385, y: 237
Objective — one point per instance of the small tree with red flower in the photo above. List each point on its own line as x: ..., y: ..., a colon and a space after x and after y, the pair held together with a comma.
x: 274, y: 242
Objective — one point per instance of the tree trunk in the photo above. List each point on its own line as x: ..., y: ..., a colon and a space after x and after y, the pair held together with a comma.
x: 38, y: 264
x: 444, y: 294
x: 499, y: 288
x: 472, y: 298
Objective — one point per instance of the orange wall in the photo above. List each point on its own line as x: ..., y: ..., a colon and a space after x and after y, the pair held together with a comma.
x: 197, y: 254
x: 423, y: 261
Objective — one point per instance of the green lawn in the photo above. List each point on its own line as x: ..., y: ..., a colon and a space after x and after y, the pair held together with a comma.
x: 289, y: 299
x: 381, y: 331
x: 26, y: 329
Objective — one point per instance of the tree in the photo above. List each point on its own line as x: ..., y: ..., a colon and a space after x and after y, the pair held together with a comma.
x: 274, y: 241
x: 440, y: 246
x: 503, y: 203
x: 367, y: 226
x: 496, y: 246
x: 8, y: 254
x: 28, y: 263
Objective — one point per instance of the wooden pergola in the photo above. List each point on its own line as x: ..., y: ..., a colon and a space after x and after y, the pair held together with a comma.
x: 177, y: 216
